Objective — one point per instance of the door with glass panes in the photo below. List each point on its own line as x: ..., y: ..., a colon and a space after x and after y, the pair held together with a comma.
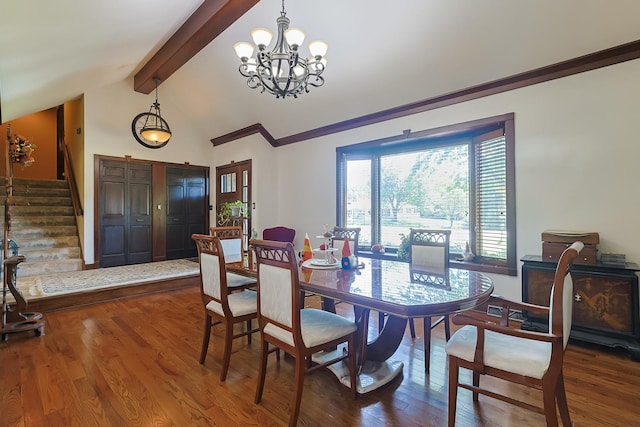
x: 233, y: 183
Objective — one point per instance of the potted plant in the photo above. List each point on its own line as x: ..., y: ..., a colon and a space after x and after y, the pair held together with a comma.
x: 403, y: 249
x: 229, y: 210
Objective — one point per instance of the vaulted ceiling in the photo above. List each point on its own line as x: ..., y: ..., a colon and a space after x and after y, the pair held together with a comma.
x: 382, y: 54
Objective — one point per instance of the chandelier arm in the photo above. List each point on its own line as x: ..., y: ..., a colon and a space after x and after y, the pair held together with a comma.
x: 316, y: 82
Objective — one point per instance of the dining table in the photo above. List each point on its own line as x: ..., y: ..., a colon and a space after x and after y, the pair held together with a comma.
x: 392, y: 287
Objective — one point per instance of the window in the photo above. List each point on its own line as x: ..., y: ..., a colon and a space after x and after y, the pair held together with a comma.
x: 459, y: 178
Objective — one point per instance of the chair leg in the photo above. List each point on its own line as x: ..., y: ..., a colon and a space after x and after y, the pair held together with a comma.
x: 262, y: 368
x: 226, y: 357
x: 453, y: 390
x: 297, y: 390
x: 205, y: 338
x: 427, y: 342
x: 549, y: 399
x: 476, y: 383
x: 447, y: 327
x: 353, y: 373
x: 248, y: 329
x: 380, y: 321
x: 561, y: 398
x: 412, y: 328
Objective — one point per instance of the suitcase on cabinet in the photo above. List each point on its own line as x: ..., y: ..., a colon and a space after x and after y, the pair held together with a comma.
x: 554, y: 242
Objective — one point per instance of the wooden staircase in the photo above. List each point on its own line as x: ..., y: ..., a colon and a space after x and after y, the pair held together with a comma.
x: 44, y: 227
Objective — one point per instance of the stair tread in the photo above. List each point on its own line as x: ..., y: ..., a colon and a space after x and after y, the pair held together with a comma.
x: 43, y: 226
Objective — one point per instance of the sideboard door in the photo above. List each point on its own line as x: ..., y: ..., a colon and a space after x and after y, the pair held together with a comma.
x: 605, y: 303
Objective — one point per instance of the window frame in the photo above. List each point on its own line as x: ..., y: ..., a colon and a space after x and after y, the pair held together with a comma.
x: 432, y: 138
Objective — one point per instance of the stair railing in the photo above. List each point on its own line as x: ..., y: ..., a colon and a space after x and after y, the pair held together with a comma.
x: 5, y: 237
x: 71, y: 178
x: 15, y: 319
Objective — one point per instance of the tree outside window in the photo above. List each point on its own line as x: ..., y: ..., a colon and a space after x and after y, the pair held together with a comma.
x: 459, y: 182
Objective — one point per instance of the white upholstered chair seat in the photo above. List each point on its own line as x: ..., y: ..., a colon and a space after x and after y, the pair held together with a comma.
x: 286, y: 325
x: 222, y: 306
x: 240, y: 304
x: 513, y: 354
x: 316, y: 326
x: 238, y: 281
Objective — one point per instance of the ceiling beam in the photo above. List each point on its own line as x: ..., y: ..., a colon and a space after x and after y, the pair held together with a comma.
x: 204, y: 25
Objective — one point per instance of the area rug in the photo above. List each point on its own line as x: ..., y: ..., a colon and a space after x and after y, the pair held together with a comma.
x: 78, y: 281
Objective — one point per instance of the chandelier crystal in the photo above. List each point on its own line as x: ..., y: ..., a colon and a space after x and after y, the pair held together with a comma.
x: 282, y: 71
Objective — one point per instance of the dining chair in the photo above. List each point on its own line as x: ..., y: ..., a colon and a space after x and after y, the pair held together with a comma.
x: 493, y: 347
x: 232, y: 242
x: 221, y: 306
x: 352, y: 234
x: 279, y: 234
x: 428, y: 252
x: 284, y: 323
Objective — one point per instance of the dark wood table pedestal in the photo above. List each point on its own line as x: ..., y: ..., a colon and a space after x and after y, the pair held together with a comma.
x: 386, y: 286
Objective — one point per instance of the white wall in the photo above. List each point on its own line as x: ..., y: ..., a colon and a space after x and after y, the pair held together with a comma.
x: 108, y: 114
x: 577, y: 157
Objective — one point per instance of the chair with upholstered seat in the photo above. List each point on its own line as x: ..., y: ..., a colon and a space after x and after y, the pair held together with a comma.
x: 232, y: 242
x: 493, y: 347
x: 279, y: 234
x: 352, y: 234
x: 428, y: 252
x: 299, y: 331
x: 221, y: 306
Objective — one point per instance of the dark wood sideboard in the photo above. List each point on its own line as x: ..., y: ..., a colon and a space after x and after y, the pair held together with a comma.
x: 605, y: 303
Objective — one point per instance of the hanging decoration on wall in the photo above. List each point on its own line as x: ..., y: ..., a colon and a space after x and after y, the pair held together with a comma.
x: 21, y: 151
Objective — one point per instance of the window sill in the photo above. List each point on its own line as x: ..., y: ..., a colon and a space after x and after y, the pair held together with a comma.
x: 479, y: 266
x: 483, y: 267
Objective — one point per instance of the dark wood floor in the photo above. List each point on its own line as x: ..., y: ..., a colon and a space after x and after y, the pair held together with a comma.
x: 134, y: 362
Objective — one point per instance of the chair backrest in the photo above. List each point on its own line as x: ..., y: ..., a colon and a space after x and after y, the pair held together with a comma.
x: 232, y: 242
x: 279, y: 297
x: 561, y: 301
x: 213, y: 277
x: 279, y: 234
x: 350, y: 233
x: 429, y: 249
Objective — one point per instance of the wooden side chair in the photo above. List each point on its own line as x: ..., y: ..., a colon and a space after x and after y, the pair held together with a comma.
x: 490, y: 346
x: 285, y: 324
x: 428, y: 252
x: 352, y: 234
x: 232, y: 242
x: 279, y: 234
x: 221, y: 306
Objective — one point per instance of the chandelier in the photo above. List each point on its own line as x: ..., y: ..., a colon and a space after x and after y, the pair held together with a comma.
x: 282, y: 71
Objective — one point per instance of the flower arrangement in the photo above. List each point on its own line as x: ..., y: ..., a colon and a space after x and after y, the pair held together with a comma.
x: 21, y: 151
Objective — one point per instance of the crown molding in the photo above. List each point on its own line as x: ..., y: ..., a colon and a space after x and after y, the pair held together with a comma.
x: 592, y: 61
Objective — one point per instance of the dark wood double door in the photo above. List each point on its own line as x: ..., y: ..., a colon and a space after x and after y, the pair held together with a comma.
x: 148, y: 211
